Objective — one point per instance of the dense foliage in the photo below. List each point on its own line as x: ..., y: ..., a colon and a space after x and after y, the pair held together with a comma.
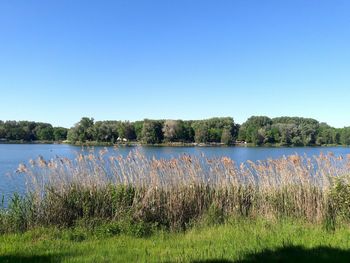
x: 214, y: 130
x: 296, y: 131
x: 31, y: 131
x: 257, y: 130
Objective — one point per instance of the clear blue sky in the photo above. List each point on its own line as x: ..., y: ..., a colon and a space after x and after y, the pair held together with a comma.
x: 63, y: 59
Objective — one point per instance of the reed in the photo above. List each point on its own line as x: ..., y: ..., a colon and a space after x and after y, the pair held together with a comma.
x: 146, y: 193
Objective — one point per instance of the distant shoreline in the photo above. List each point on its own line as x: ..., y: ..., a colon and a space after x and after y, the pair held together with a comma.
x: 31, y: 142
x: 174, y: 144
x: 256, y: 131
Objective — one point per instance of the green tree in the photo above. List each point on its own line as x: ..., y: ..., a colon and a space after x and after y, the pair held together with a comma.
x: 2, y: 133
x: 345, y: 136
x: 187, y: 131
x: 45, y: 134
x: 60, y: 133
x: 82, y: 131
x: 152, y: 131
x: 226, y: 137
x: 126, y: 130
x: 249, y: 130
x: 138, y: 126
x: 201, y: 132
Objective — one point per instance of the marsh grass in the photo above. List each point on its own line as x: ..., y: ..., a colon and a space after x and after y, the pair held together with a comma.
x: 136, y: 195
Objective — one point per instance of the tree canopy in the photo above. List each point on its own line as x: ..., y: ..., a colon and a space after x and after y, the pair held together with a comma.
x: 31, y: 131
x: 257, y: 130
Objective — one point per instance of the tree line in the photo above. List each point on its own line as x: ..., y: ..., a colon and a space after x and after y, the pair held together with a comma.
x: 29, y: 131
x: 257, y: 130
x: 214, y: 130
x: 296, y: 131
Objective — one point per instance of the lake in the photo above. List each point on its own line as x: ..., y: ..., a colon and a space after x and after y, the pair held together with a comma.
x: 11, y: 155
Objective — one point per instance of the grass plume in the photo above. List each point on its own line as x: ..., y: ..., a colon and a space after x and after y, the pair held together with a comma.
x: 137, y: 194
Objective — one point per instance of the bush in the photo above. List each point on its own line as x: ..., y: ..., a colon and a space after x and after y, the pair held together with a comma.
x: 338, y: 202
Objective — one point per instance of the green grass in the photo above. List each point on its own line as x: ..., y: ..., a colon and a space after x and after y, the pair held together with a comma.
x: 239, y: 240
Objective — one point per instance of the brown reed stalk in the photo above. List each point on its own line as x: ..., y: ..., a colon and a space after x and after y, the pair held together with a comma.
x: 175, y: 192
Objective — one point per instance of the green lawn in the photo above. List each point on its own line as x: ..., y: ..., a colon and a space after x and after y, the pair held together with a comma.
x: 236, y: 241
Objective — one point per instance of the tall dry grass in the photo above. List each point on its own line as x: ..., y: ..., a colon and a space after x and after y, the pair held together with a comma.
x: 175, y: 193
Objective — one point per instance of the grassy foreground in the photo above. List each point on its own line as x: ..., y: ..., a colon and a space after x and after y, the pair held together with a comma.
x: 239, y: 240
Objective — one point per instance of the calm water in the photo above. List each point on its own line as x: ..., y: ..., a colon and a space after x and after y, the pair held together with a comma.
x: 13, y: 154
